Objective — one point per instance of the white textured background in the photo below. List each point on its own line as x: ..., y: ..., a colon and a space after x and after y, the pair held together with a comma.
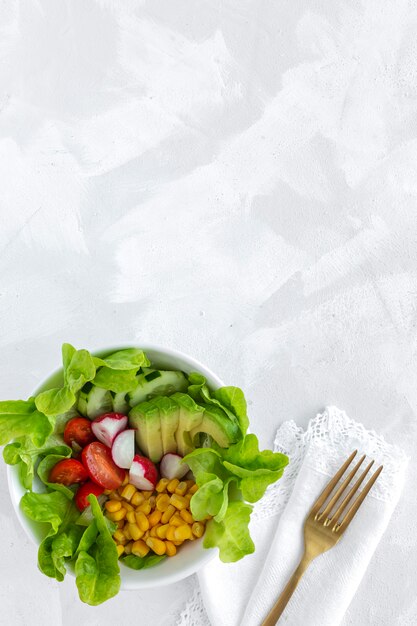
x: 236, y: 179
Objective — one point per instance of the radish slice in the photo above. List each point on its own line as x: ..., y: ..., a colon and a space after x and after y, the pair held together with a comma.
x: 107, y: 426
x: 143, y: 473
x: 171, y: 466
x: 123, y: 448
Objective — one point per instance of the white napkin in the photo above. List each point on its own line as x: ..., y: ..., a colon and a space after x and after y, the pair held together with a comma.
x: 241, y: 594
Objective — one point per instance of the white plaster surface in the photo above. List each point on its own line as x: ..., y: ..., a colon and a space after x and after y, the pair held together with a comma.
x: 236, y: 179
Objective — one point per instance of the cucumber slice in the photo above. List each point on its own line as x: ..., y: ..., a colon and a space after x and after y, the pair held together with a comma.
x: 94, y: 401
x: 120, y: 403
x: 151, y: 385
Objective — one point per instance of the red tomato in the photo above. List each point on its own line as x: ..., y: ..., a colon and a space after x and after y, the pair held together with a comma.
x: 100, y: 466
x: 78, y: 430
x: 68, y: 472
x: 84, y: 491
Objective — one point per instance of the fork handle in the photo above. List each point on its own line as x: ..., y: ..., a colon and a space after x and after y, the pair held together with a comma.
x: 281, y: 603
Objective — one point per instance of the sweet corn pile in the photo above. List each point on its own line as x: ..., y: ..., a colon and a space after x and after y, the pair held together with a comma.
x: 158, y: 521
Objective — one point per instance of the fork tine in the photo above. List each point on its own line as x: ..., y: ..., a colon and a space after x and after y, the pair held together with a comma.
x: 342, y: 506
x: 331, y: 485
x: 355, y: 506
x: 340, y: 491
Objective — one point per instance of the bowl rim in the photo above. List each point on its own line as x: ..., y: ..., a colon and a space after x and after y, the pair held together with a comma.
x: 12, y: 471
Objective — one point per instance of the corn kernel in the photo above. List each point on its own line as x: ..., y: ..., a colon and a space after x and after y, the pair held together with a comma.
x: 171, y: 550
x: 172, y: 485
x: 156, y: 545
x: 120, y: 523
x: 178, y: 501
x: 131, y: 517
x: 181, y: 488
x: 146, y: 535
x: 146, y: 494
x: 139, y: 548
x: 161, y: 531
x: 107, y: 492
x: 152, y: 501
x: 162, y: 502
x: 192, y: 538
x: 193, y: 489
x: 128, y: 491
x: 162, y: 485
x: 144, y: 508
x: 120, y: 549
x: 117, y: 516
x: 127, y: 506
x: 135, y: 532
x: 126, y: 532
x: 177, y: 543
x: 188, y: 497
x: 154, y: 518
x: 141, y: 520
x: 137, y: 499
x: 152, y: 532
x: 176, y: 520
x: 186, y: 516
x: 125, y: 479
x: 170, y: 533
x: 166, y: 516
x: 128, y: 547
x: 182, y: 533
x: 113, y: 505
x: 190, y: 483
x: 119, y: 536
x: 115, y: 495
x: 198, y: 529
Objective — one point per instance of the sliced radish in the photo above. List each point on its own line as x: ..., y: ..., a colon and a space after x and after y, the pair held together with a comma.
x: 143, y: 473
x: 107, y: 426
x: 123, y: 448
x: 172, y: 467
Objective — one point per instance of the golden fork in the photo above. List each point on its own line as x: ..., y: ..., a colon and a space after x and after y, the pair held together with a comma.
x: 324, y: 527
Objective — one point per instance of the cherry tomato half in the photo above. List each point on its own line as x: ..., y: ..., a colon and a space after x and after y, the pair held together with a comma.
x: 67, y: 472
x: 100, y: 466
x: 78, y: 430
x: 84, y: 491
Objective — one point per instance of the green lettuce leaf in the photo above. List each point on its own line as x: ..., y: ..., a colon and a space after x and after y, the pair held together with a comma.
x: 79, y: 370
x: 231, y: 535
x: 55, y: 550
x: 116, y: 380
x: 53, y: 508
x: 45, y: 467
x: 88, y: 538
x: 128, y: 359
x: 255, y: 470
x: 233, y: 399
x: 23, y: 452
x: 19, y: 418
x: 137, y: 562
x: 97, y: 571
x: 55, y: 401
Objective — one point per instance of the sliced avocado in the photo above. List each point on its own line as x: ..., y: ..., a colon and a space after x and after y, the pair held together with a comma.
x: 146, y: 419
x: 216, y: 424
x: 190, y: 417
x: 169, y: 413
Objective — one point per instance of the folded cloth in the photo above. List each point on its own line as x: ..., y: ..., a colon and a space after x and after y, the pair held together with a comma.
x: 241, y: 594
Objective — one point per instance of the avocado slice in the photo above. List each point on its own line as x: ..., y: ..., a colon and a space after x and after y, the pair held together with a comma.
x: 145, y: 417
x: 190, y: 416
x: 169, y: 412
x: 216, y: 424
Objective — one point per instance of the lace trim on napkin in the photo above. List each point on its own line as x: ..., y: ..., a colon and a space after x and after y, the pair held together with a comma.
x: 336, y: 435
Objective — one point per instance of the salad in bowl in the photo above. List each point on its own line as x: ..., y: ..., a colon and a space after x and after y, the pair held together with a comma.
x: 129, y: 466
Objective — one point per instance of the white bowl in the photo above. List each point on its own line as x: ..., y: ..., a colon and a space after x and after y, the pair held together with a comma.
x: 192, y: 555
